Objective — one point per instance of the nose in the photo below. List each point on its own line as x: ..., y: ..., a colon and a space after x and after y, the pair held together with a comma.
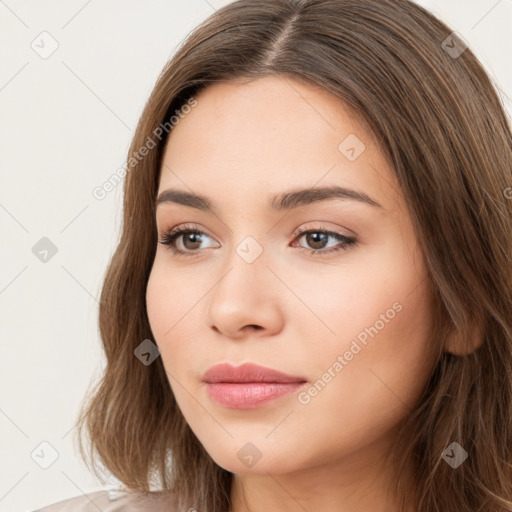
x: 246, y: 300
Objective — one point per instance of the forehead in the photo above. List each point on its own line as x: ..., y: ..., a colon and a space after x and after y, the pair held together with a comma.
x: 243, y: 141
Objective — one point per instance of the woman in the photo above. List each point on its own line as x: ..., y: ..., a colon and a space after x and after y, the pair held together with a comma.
x: 309, y: 307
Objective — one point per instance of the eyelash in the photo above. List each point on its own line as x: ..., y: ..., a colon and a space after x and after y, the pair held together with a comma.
x: 169, y: 239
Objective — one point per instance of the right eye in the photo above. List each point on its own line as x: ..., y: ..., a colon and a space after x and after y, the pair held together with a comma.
x: 193, y: 237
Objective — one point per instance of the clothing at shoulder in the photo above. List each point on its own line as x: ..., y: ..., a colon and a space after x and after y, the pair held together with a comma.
x: 115, y: 500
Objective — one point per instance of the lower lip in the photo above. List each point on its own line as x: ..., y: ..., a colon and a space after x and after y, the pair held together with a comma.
x: 249, y: 395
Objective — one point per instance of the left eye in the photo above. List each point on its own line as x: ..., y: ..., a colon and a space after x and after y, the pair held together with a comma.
x: 193, y: 236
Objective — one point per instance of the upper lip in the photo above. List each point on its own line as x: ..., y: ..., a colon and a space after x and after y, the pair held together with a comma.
x: 248, y: 372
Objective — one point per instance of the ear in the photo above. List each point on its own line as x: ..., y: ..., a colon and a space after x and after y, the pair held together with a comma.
x: 459, y: 345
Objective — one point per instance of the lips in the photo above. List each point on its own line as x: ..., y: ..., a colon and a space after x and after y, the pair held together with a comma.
x: 248, y: 386
x: 247, y: 372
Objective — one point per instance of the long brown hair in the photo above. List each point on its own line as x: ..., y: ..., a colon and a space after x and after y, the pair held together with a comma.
x: 440, y: 121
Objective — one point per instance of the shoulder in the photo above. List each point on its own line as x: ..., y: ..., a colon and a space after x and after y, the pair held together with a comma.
x: 115, y: 500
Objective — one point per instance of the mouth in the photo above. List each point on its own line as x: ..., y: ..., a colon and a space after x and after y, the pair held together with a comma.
x: 248, y: 386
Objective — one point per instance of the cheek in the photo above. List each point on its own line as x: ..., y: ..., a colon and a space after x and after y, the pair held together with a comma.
x: 156, y: 301
x: 171, y: 318
x: 173, y: 309
x: 163, y: 309
x: 359, y: 397
x: 374, y: 290
x: 168, y: 298
x: 380, y: 315
x: 376, y: 368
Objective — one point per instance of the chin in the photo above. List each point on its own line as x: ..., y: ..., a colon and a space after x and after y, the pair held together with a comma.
x: 253, y: 458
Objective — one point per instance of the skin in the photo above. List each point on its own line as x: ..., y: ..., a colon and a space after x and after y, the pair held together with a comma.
x: 290, y: 310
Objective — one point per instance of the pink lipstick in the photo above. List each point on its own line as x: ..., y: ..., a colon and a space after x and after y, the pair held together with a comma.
x: 248, y: 386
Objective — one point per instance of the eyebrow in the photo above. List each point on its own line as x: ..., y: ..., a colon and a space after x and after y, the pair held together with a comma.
x: 282, y: 202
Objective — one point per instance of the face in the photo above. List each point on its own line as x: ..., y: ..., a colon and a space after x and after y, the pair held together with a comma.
x: 328, y: 288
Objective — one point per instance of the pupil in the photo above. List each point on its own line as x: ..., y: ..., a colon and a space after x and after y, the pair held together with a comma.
x: 316, y: 236
x: 191, y: 238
